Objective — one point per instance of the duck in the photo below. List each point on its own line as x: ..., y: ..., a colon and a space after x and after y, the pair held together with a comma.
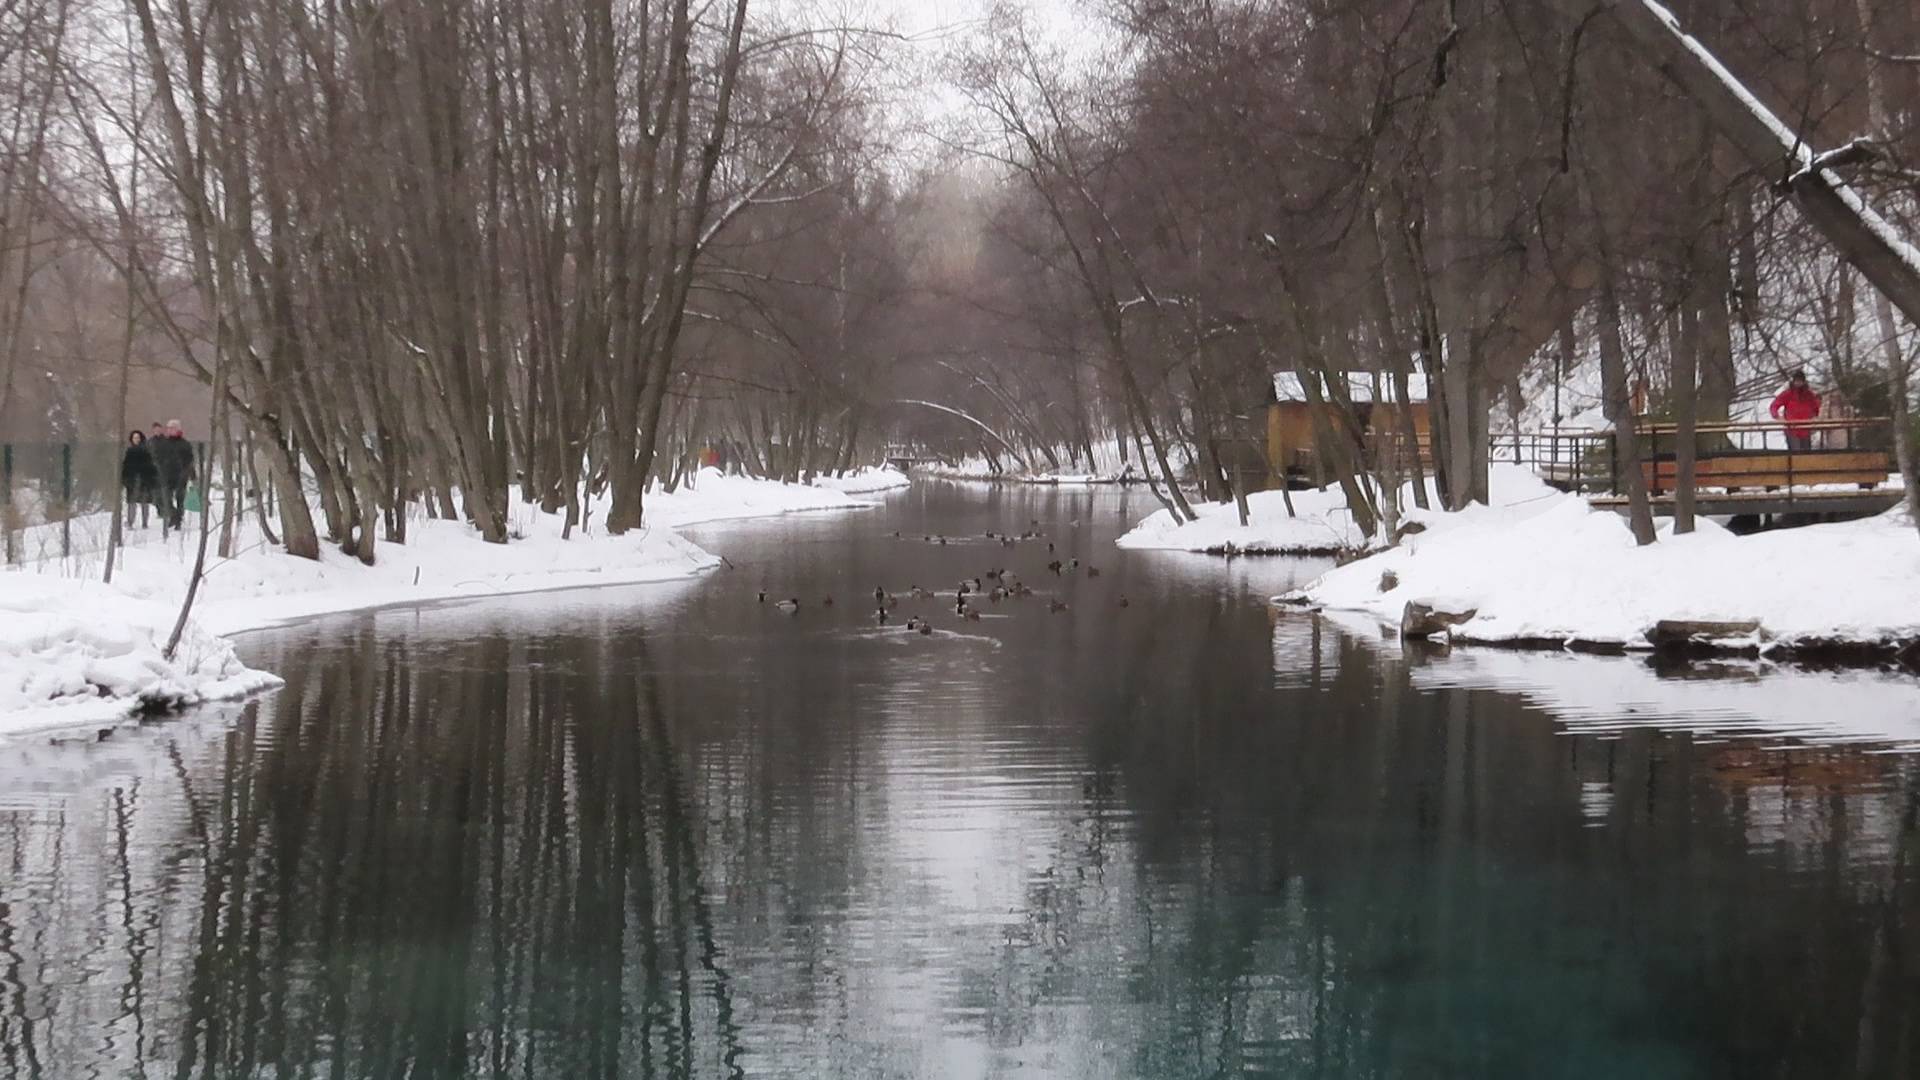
x: 914, y: 622
x: 1055, y: 567
x: 1056, y: 606
x: 882, y: 614
x: 970, y: 615
x: 1123, y: 601
x: 763, y: 596
x: 1073, y: 564
x: 827, y: 602
x: 998, y: 594
x: 789, y: 605
x: 926, y: 629
x: 880, y: 595
x: 921, y: 594
x: 1092, y: 570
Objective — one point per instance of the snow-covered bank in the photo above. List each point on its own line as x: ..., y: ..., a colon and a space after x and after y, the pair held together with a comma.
x: 711, y: 495
x: 865, y: 482
x: 1320, y: 525
x: 89, y: 653
x: 1542, y: 567
x: 78, y: 652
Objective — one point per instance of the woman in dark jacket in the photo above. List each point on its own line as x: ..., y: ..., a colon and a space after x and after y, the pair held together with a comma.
x: 139, y: 476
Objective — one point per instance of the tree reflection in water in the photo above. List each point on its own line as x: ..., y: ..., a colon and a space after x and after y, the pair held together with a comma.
x: 632, y: 853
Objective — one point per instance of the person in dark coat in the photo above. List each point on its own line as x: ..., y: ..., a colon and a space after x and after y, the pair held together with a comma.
x: 173, y: 457
x: 139, y: 477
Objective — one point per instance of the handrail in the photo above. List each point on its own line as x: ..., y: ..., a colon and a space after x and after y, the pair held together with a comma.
x: 1720, y: 426
x: 1664, y: 427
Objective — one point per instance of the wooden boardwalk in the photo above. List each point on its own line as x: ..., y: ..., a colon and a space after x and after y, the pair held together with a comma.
x: 1740, y: 468
x: 1784, y: 501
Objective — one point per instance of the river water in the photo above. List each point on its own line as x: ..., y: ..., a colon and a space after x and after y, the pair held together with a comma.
x: 671, y: 831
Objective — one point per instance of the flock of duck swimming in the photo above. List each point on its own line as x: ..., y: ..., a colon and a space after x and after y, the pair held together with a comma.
x: 970, y: 593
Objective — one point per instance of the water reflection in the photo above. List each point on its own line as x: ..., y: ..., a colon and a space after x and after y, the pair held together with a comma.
x: 660, y: 834
x: 1606, y: 695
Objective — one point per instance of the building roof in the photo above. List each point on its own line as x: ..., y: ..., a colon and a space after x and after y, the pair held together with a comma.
x: 1286, y: 387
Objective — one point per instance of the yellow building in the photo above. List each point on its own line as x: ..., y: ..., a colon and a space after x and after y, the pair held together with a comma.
x: 1290, y: 441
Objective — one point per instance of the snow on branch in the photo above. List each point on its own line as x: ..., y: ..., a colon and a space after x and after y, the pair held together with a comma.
x: 1808, y: 165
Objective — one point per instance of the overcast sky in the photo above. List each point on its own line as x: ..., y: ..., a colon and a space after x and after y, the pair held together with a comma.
x: 935, y: 28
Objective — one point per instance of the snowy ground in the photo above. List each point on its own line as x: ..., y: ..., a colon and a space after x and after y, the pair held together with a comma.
x: 1319, y: 525
x: 1542, y: 566
x: 76, y: 652
x: 79, y: 652
x: 864, y: 482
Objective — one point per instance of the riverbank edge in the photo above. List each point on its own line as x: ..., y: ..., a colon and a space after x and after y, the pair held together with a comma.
x: 222, y: 621
x: 1901, y: 652
x: 1031, y: 481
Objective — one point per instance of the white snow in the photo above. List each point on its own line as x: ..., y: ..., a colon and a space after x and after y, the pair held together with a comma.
x: 711, y: 495
x: 77, y: 652
x: 1320, y: 525
x: 1540, y: 565
x: 865, y: 482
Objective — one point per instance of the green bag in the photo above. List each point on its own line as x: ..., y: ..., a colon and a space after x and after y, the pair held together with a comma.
x: 194, y: 505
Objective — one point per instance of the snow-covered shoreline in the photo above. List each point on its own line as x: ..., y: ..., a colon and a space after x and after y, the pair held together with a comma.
x: 1541, y: 568
x: 75, y: 652
x: 1319, y: 525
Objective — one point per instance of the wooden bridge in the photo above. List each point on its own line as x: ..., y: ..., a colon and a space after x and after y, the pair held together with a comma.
x: 1739, y: 468
x: 905, y: 461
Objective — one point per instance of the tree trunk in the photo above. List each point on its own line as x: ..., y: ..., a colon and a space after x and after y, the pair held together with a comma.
x: 1618, y: 403
x: 1684, y: 354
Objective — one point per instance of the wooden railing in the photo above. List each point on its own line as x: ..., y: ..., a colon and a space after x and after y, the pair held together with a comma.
x: 1732, y: 456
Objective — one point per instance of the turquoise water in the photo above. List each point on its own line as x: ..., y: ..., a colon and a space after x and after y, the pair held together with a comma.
x: 669, y: 832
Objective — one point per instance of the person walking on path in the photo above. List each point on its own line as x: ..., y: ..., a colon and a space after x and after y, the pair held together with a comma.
x: 1797, y: 402
x: 173, y: 457
x: 139, y: 477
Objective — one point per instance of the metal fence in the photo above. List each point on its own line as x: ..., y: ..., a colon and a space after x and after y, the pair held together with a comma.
x: 56, y: 499
x: 1842, y: 451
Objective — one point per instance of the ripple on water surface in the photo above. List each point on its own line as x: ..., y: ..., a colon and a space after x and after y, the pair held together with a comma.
x: 668, y: 831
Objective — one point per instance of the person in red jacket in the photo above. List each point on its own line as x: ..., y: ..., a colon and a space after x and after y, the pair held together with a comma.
x: 1797, y: 402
